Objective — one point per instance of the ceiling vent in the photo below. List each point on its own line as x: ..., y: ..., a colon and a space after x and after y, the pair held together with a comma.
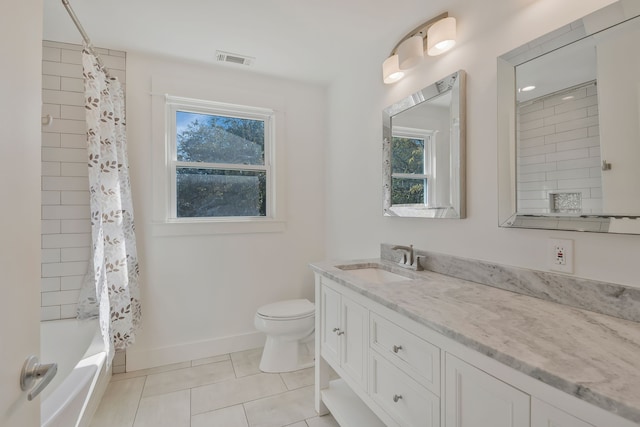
x: 234, y: 58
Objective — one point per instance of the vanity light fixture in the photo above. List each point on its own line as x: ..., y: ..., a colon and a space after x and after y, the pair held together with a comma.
x: 435, y: 36
x: 441, y: 36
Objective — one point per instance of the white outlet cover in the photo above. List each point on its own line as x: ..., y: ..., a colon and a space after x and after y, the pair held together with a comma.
x: 566, y: 245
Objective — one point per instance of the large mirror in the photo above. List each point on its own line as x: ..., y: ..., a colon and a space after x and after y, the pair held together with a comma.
x: 569, y: 126
x: 424, y: 152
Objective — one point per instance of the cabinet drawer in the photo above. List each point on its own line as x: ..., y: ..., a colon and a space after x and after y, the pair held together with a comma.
x: 544, y: 415
x: 416, y: 357
x: 406, y: 401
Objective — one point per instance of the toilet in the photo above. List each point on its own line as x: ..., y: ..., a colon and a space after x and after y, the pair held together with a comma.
x: 287, y: 324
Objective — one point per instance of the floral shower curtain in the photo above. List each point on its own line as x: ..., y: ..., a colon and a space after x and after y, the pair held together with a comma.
x: 110, y: 291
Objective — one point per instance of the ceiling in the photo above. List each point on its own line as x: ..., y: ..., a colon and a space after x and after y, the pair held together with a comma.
x: 307, y: 40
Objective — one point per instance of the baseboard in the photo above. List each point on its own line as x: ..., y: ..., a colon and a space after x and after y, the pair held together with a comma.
x: 150, y: 358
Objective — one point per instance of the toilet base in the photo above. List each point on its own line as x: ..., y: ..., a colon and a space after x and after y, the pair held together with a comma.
x: 283, y: 356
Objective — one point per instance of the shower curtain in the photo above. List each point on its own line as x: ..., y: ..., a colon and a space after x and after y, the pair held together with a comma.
x: 110, y: 290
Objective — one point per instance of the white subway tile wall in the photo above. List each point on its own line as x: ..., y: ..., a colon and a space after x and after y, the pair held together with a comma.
x: 559, y: 151
x: 66, y: 230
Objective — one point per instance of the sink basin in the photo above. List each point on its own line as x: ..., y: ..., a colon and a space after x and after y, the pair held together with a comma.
x: 375, y: 275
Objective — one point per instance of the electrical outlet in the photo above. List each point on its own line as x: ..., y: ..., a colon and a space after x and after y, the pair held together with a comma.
x: 561, y: 255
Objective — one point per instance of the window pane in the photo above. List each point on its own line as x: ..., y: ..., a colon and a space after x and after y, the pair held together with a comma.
x: 217, y: 193
x: 407, y: 191
x: 407, y: 155
x: 219, y: 139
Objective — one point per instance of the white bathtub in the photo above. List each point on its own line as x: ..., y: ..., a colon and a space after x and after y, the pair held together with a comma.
x: 74, y: 394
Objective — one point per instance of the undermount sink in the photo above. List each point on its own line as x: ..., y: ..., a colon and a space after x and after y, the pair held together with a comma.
x: 374, y: 274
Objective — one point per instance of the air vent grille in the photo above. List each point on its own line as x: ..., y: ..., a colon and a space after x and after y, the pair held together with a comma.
x: 234, y: 58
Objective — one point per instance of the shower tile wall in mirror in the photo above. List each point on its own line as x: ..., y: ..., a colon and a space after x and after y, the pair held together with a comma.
x: 568, y: 128
x: 424, y: 152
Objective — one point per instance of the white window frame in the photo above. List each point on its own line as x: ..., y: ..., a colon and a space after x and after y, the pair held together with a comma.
x: 429, y: 160
x: 164, y: 159
x: 175, y: 104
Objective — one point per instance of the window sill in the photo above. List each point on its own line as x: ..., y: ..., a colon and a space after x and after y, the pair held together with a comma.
x: 211, y: 227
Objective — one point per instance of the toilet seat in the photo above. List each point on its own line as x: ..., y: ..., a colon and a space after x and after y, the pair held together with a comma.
x: 287, y: 310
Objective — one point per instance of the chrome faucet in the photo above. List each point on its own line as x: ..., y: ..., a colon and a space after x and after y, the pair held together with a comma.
x: 407, y: 259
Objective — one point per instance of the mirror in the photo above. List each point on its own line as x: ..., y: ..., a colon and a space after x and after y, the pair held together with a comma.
x: 568, y: 126
x: 424, y: 152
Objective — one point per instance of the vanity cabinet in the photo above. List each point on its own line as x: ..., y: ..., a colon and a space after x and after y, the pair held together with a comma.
x: 344, y: 332
x: 475, y: 398
x: 396, y: 372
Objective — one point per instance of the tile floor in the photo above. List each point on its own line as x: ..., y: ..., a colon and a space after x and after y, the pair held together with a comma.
x: 221, y: 391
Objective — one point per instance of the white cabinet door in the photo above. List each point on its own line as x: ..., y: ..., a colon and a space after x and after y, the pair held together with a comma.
x: 474, y: 398
x: 330, y: 325
x: 354, y: 341
x: 343, y: 334
x: 545, y: 415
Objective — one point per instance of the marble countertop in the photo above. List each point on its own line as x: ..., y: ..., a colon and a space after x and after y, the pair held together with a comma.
x: 592, y: 356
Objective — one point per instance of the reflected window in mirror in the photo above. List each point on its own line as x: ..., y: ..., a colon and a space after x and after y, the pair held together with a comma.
x: 411, y: 158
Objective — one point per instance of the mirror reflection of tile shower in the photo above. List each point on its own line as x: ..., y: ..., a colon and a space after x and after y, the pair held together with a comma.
x: 558, y: 153
x: 568, y: 127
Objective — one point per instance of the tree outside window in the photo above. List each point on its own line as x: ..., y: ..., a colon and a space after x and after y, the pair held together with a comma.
x: 221, y: 163
x: 410, y: 166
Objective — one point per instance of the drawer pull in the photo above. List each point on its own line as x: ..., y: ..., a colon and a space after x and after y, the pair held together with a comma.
x: 397, y: 348
x: 336, y: 329
x: 341, y: 333
x: 397, y: 397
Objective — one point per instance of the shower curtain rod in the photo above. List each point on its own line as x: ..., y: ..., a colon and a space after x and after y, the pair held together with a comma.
x: 83, y: 33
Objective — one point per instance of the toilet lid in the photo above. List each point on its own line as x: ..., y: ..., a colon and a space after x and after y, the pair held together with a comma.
x: 288, y: 309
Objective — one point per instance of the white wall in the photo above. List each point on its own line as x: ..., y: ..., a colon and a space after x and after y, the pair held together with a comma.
x: 200, y: 293
x: 355, y: 225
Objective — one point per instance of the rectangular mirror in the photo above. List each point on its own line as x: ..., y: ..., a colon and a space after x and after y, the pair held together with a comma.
x: 424, y: 152
x: 568, y: 126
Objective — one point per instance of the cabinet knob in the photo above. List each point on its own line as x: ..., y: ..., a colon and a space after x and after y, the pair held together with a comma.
x: 397, y: 348
x: 397, y: 397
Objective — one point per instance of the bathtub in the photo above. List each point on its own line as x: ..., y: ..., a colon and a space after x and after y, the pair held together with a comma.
x: 74, y: 394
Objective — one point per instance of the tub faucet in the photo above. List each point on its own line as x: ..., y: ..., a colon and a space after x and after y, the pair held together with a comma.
x: 407, y: 260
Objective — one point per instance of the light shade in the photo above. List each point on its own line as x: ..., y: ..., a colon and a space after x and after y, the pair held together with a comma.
x: 441, y: 36
x: 391, y: 72
x: 410, y: 52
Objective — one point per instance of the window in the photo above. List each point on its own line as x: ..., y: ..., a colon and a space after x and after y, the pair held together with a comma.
x: 412, y: 164
x: 220, y: 159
